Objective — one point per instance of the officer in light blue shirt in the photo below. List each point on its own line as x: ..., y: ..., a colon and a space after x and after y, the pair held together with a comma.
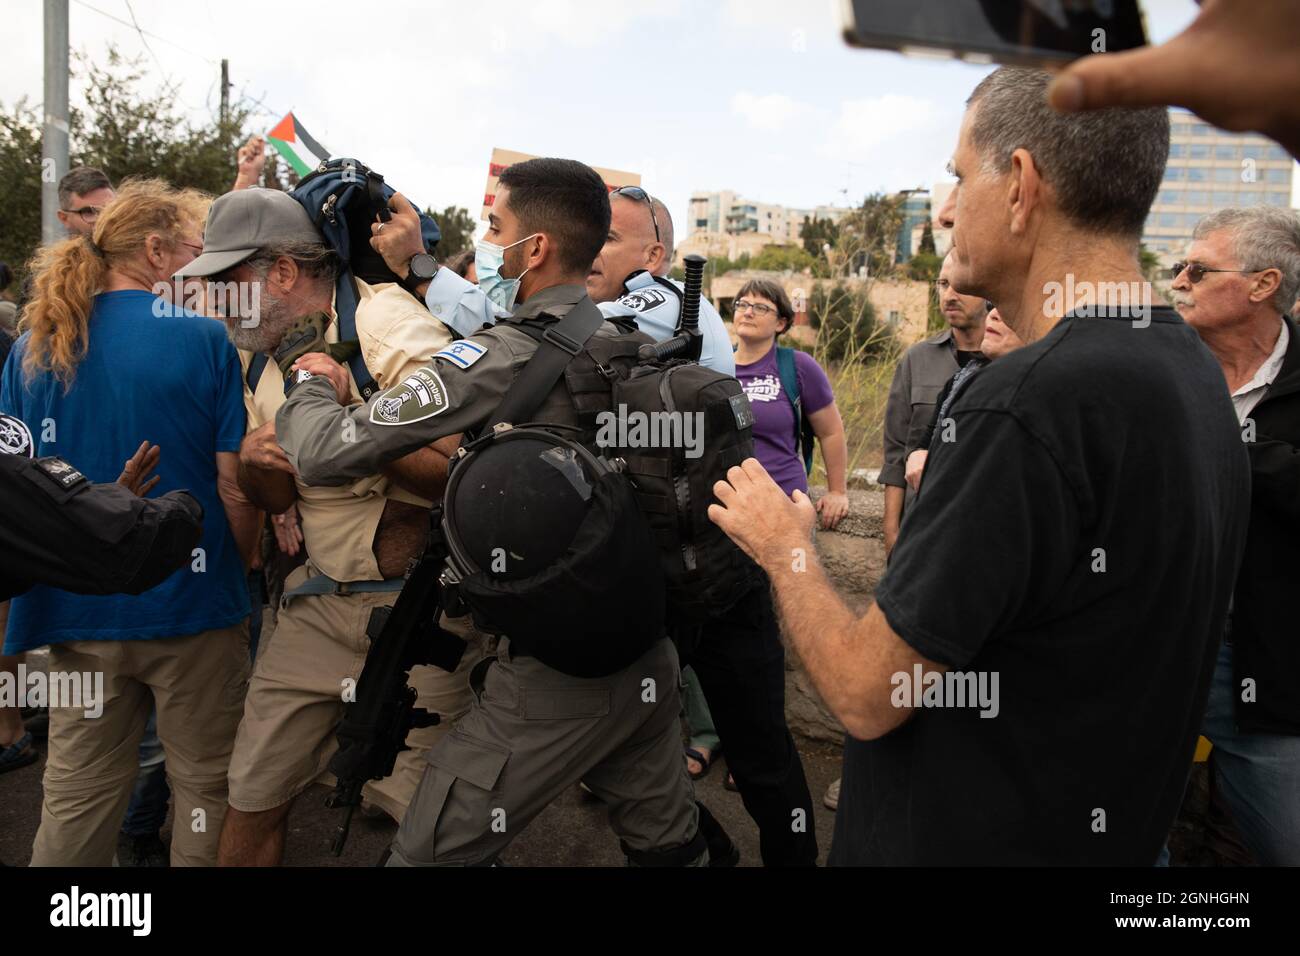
x: 628, y: 278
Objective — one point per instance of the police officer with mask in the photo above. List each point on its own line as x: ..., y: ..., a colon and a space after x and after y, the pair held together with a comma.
x: 737, y: 656
x: 533, y: 730
x: 628, y: 277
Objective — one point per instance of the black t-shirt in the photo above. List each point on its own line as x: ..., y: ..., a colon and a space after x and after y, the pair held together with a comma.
x: 1108, y: 444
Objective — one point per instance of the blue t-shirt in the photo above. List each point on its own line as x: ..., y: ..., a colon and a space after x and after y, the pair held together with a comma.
x: 173, y: 381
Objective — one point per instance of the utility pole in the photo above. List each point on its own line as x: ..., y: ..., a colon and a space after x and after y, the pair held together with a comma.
x: 54, y: 138
x: 225, y: 91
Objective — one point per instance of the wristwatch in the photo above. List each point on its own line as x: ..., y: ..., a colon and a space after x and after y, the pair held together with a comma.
x: 420, y: 269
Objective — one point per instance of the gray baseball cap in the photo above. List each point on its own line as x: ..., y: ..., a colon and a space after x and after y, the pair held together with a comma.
x: 244, y: 221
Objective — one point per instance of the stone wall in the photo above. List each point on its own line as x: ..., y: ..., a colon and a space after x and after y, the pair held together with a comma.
x: 854, y: 558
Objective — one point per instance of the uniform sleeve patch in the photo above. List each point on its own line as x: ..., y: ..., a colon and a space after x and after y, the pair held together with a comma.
x: 419, y: 396
x: 643, y: 300
x: 15, y: 437
x: 60, y: 472
x: 462, y: 353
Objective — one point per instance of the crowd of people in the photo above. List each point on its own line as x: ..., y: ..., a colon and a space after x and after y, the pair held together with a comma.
x: 1089, y: 517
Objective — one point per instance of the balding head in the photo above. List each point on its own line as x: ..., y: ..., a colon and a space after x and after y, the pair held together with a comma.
x: 631, y: 245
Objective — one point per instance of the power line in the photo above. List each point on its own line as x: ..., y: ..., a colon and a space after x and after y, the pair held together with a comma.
x: 144, y: 33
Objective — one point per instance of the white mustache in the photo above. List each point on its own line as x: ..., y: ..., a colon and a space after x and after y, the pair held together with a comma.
x: 1180, y: 300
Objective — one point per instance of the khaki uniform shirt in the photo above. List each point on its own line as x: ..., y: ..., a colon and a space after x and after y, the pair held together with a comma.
x: 454, y: 393
x: 397, y: 336
x: 920, y: 377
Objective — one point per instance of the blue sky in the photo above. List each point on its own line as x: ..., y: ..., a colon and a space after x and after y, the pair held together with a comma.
x: 758, y: 96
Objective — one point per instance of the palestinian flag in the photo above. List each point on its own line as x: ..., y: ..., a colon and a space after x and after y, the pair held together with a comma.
x: 296, y: 145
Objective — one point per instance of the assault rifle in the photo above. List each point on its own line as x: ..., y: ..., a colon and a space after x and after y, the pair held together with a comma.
x: 375, y: 724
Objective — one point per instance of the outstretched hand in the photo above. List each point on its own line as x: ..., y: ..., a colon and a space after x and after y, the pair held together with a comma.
x: 135, y: 476
x: 756, y: 514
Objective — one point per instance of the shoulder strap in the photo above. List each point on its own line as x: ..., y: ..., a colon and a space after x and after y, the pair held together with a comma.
x: 789, y: 375
x: 346, y: 298
x: 558, y: 344
x: 256, y: 365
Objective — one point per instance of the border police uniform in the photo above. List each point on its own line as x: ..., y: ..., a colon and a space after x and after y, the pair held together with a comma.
x: 531, y: 731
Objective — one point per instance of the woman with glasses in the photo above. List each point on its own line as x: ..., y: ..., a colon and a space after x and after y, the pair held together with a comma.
x: 762, y: 313
x: 103, y: 365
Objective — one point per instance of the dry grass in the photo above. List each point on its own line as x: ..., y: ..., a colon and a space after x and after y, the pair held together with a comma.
x: 860, y: 382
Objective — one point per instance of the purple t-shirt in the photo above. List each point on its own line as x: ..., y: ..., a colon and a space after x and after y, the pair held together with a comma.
x: 775, y: 443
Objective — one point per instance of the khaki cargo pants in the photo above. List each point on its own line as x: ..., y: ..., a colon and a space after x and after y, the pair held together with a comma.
x: 295, y: 701
x: 533, y: 732
x: 197, y: 684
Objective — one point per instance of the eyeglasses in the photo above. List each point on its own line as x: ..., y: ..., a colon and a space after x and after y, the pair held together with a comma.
x: 88, y: 214
x: 196, y: 249
x: 1196, y: 272
x: 640, y: 195
x: 761, y: 309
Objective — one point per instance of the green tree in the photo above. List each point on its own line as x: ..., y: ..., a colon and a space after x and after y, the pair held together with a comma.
x: 20, y: 185
x: 868, y: 237
x: 457, y: 228
x: 782, y: 259
x: 1150, y: 264
x: 817, y: 234
x: 846, y: 323
x: 927, y: 239
x: 125, y: 131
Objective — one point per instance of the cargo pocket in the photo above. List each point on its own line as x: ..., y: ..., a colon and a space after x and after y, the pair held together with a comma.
x: 450, y: 820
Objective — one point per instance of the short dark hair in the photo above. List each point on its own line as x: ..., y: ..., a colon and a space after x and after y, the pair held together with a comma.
x: 460, y: 262
x: 774, y: 293
x: 565, y: 199
x: 79, y: 181
x: 1105, y: 166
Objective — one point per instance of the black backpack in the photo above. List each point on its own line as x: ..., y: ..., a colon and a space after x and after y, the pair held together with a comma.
x: 706, y: 573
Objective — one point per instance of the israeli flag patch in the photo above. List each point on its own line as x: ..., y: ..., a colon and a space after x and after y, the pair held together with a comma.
x: 462, y: 353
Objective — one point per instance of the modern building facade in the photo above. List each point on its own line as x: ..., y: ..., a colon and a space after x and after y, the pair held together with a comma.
x: 1210, y: 169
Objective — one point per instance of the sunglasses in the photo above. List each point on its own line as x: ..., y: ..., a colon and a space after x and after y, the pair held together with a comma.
x: 640, y: 195
x: 1196, y: 272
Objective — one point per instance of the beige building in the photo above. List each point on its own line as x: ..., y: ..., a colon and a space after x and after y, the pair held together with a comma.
x: 728, y: 213
x: 1210, y: 169
x: 903, y: 304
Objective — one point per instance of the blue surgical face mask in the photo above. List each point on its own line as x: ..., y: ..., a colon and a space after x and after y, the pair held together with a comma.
x: 488, y: 258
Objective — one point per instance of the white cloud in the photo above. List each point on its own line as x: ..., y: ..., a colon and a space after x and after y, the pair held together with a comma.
x: 864, y: 124
x: 769, y: 112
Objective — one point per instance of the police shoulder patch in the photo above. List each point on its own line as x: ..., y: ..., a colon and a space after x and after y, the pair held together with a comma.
x: 15, y: 437
x: 643, y: 300
x: 419, y: 396
x: 462, y: 353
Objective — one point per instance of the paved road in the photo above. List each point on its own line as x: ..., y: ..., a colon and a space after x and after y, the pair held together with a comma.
x: 571, y: 832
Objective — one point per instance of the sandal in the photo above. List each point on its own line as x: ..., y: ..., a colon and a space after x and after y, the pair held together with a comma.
x: 18, y: 754
x: 703, y: 761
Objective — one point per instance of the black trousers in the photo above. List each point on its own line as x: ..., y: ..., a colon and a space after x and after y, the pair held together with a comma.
x: 740, y: 662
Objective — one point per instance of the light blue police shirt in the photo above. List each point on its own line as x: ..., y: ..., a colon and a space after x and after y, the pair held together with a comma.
x: 461, y: 304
